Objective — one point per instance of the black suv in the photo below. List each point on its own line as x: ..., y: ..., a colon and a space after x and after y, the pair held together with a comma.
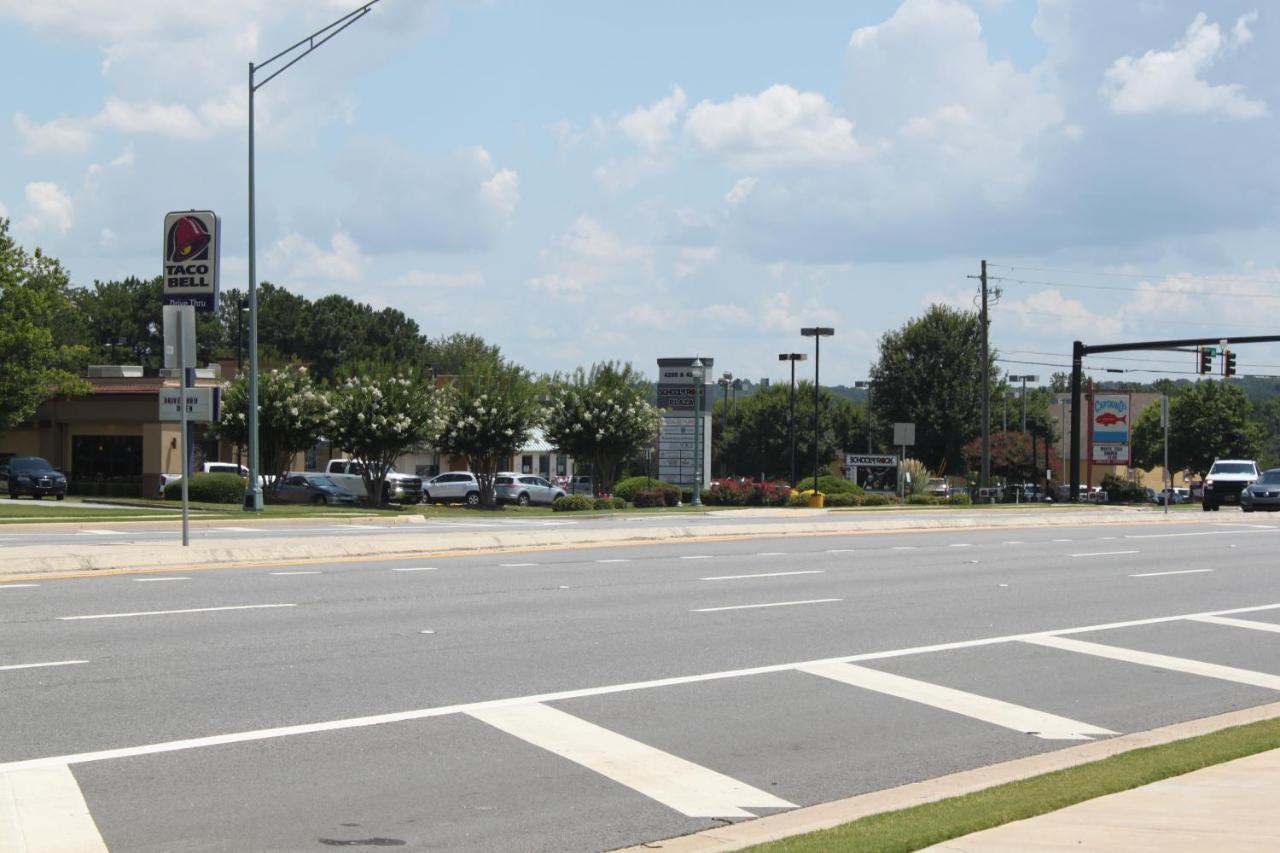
x: 1225, y: 480
x: 31, y: 475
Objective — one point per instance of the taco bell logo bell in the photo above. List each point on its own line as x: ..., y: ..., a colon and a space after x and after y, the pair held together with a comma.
x: 191, y: 247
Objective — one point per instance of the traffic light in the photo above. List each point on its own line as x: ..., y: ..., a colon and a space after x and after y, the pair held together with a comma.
x: 1206, y: 359
x: 1229, y: 363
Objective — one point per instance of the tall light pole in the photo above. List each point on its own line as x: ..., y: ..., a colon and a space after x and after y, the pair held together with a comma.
x: 866, y: 384
x: 697, y: 371
x: 723, y: 382
x: 817, y: 333
x: 1024, y: 379
x: 253, y: 493
x: 792, y: 357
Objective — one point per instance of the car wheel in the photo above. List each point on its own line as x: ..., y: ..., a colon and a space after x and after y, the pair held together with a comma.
x: 1205, y: 506
x: 1246, y: 509
x: 523, y: 500
x: 473, y: 499
x: 62, y: 496
x: 37, y: 496
x: 319, y: 500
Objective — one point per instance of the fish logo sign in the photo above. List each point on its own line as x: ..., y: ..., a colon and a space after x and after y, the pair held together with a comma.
x: 1110, y: 419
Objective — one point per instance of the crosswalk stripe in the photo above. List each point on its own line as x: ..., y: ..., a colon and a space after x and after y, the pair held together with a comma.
x: 691, y: 789
x: 1005, y: 714
x: 42, y: 811
x: 1187, y: 665
x: 1239, y: 623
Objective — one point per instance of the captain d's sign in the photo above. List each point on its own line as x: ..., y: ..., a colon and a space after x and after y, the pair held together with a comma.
x: 191, y: 253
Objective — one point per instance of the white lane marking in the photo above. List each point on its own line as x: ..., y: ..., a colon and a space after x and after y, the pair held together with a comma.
x: 364, y: 527
x: 416, y: 569
x: 17, y: 585
x: 772, y: 554
x: 763, y: 575
x: 42, y: 810
x: 516, y: 565
x: 1175, y: 664
x: 308, y: 572
x: 696, y: 557
x: 1059, y: 540
x: 103, y: 532
x: 1172, y: 535
x: 237, y: 529
x: 1105, y: 538
x: 1178, y: 572
x: 171, y: 612
x: 1103, y: 553
x: 158, y: 580
x: 688, y: 788
x: 994, y: 711
x: 961, y: 545
x: 903, y: 548
x: 771, y: 604
x: 618, y: 560
x: 579, y: 693
x: 1251, y: 624
x: 840, y: 550
x: 1013, y: 542
x: 38, y: 665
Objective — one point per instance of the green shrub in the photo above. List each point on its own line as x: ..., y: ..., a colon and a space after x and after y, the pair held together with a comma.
x: 209, y: 488
x: 651, y: 498
x: 686, y: 495
x: 843, y: 499
x: 877, y: 499
x: 798, y: 499
x: 609, y: 503
x: 830, y: 485
x: 626, y: 489
x: 960, y: 500
x: 923, y: 500
x: 573, y: 503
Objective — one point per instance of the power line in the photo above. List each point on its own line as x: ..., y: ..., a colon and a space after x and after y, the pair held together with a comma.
x: 1063, y: 315
x: 1139, y: 276
x: 1179, y: 292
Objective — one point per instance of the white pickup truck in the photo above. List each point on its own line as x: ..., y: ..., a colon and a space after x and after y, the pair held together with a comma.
x: 400, y: 488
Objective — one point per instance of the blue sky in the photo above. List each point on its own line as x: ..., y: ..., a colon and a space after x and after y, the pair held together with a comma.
x: 588, y: 181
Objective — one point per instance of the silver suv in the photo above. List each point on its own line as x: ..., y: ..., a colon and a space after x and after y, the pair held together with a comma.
x: 1225, y: 480
x: 452, y: 487
x: 524, y: 489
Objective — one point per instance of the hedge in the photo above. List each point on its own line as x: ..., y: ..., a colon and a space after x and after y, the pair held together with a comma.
x: 209, y: 488
x: 573, y: 503
x: 960, y: 500
x: 656, y: 497
x: 829, y: 484
x: 627, y: 489
x: 609, y: 503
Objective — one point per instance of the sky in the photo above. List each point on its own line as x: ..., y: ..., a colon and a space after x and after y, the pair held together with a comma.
x: 582, y: 181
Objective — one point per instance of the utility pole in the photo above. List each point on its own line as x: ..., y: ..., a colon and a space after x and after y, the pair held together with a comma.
x: 985, y: 476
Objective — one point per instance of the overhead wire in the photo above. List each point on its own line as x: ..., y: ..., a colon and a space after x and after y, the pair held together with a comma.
x: 1137, y: 276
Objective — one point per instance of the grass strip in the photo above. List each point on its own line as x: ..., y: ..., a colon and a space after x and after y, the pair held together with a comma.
x: 932, y: 823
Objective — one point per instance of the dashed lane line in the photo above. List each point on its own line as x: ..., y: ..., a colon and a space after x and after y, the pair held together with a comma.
x: 763, y: 575
x: 173, y: 612
x: 416, y: 569
x: 1178, y: 572
x: 1103, y: 553
x: 770, y: 604
x: 12, y: 666
x: 309, y: 572
x: 18, y: 585
x: 158, y: 580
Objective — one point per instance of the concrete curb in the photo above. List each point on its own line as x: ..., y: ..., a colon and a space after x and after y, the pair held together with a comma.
x: 827, y: 815
x: 26, y: 560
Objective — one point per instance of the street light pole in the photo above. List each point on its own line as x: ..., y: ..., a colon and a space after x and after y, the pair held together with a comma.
x: 792, y: 357
x: 253, y: 492
x: 697, y: 370
x: 817, y: 333
x: 867, y: 385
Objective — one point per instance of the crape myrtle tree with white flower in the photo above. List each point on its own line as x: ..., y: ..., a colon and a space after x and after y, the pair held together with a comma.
x: 491, y: 408
x: 601, y: 416
x: 378, y: 416
x: 292, y: 416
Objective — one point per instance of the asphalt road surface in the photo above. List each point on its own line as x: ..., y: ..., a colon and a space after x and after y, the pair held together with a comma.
x: 587, y: 699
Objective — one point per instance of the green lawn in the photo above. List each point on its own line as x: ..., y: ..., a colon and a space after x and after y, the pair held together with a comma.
x: 933, y: 823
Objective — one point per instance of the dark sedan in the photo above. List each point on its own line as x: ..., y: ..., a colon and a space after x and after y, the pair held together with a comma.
x: 1262, y: 494
x: 313, y: 489
x: 31, y: 475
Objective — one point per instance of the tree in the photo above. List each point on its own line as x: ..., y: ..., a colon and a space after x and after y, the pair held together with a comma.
x: 453, y: 355
x: 758, y: 443
x: 377, y: 417
x: 38, y: 356
x: 1207, y: 421
x: 292, y: 416
x: 930, y: 373
x: 601, y: 416
x: 1011, y: 456
x: 489, y: 412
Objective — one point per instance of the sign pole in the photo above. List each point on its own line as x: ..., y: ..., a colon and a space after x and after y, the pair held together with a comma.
x: 1168, y: 475
x: 182, y: 428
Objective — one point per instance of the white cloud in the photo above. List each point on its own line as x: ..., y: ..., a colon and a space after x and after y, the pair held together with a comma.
x: 404, y: 201
x: 777, y: 128
x: 439, y: 280
x: 50, y: 211
x: 1170, y: 81
x: 294, y: 258
x: 60, y: 137
x: 586, y: 257
x: 1048, y: 312
x: 650, y: 127
x: 4, y: 211
x: 740, y: 190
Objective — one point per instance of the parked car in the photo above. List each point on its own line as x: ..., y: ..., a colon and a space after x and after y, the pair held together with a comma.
x: 349, y: 474
x: 452, y: 487
x: 1225, y: 481
x: 937, y: 487
x: 581, y: 484
x: 215, y: 468
x: 31, y: 475
x: 525, y: 489
x: 318, y: 489
x: 1262, y: 494
x: 1176, y: 496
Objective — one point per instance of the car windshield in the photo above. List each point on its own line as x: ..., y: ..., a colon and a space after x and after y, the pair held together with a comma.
x: 321, y: 480
x: 503, y: 481
x: 30, y: 466
x: 1232, y: 468
x: 1270, y: 477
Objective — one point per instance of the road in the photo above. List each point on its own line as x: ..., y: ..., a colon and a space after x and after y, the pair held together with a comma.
x: 593, y: 698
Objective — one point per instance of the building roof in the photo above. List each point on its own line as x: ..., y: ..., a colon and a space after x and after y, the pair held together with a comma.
x: 536, y: 442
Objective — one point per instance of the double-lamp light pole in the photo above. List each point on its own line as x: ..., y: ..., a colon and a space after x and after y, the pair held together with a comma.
x: 253, y: 493
x: 792, y: 357
x: 817, y: 333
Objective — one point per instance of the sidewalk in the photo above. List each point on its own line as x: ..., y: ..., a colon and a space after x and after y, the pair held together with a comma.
x: 1229, y: 808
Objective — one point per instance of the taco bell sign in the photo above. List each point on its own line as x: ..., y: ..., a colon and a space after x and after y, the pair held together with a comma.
x: 191, y: 255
